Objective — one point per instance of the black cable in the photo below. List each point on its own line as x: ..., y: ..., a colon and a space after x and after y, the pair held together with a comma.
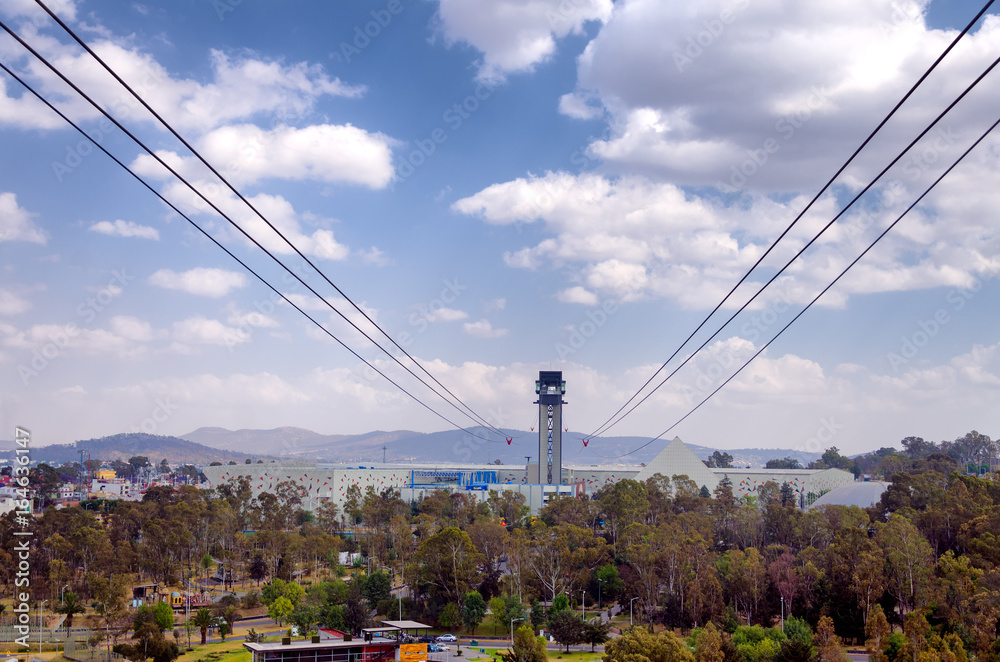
x: 223, y: 214
x: 227, y: 251
x: 825, y: 289
x: 232, y: 188
x: 812, y: 241
x: 607, y: 425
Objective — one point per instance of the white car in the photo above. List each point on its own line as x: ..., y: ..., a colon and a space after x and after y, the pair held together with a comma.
x: 447, y: 637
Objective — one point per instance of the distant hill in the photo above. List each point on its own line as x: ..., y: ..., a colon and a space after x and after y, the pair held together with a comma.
x: 457, y: 446
x: 124, y: 446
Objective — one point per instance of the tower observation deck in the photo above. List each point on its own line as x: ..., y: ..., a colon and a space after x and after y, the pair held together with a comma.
x: 550, y: 388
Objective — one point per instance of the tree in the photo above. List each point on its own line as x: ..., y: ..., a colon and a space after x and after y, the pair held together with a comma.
x: 638, y: 645
x: 70, y: 606
x: 527, y: 647
x: 561, y: 603
x: 163, y: 616
x: 450, y: 616
x: 280, y: 610
x: 876, y: 634
x: 787, y: 494
x: 708, y: 645
x: 149, y: 641
x: 719, y: 460
x: 473, y: 610
x: 203, y: 620
x: 303, y: 618
x: 595, y: 631
x: 377, y: 587
x: 828, y: 644
x: 567, y: 628
x: 783, y: 463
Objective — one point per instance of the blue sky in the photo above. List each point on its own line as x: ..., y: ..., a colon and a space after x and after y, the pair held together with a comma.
x: 506, y: 186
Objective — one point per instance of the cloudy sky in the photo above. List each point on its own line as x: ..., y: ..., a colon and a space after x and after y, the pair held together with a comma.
x: 505, y: 186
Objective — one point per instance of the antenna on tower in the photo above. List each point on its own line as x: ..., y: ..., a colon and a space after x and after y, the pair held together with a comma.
x: 383, y: 453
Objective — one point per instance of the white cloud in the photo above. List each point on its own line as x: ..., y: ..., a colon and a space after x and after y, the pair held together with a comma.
x: 121, y: 228
x: 572, y: 105
x: 251, y: 319
x: 444, y: 315
x: 11, y: 303
x: 496, y: 304
x: 16, y: 223
x: 201, y: 281
x: 579, y: 295
x: 324, y: 152
x: 694, y: 92
x: 65, y: 9
x: 483, y: 329
x: 321, y: 243
x: 133, y: 328
x: 240, y: 87
x: 632, y: 237
x: 25, y: 111
x: 202, y: 331
x: 515, y: 35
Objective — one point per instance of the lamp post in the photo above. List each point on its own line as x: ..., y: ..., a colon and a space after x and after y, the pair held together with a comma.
x: 630, y: 609
x: 62, y: 593
x: 512, y: 629
x: 600, y: 584
x: 40, y: 605
x: 782, y: 613
x: 583, y: 601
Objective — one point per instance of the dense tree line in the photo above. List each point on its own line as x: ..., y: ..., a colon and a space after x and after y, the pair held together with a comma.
x: 917, y: 575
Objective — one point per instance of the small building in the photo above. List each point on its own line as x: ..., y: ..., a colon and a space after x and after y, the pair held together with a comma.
x: 105, y: 474
x: 330, y: 650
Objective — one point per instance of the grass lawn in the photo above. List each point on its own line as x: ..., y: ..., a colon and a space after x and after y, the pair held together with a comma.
x: 223, y: 651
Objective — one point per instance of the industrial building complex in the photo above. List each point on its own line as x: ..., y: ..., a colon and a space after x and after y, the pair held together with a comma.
x: 538, y: 481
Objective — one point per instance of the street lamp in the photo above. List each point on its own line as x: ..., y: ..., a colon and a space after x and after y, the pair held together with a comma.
x: 512, y: 629
x: 630, y: 609
x: 600, y: 584
x: 62, y: 593
x: 782, y: 613
x: 40, y: 605
x: 583, y: 601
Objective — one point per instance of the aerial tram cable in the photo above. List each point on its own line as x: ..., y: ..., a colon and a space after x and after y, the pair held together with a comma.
x: 250, y: 205
x: 824, y: 291
x: 215, y: 208
x: 169, y: 204
x: 611, y: 421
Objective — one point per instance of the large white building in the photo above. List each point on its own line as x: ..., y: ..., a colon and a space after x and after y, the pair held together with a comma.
x: 323, y: 482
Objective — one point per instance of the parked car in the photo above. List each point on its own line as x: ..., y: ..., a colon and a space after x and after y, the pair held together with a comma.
x: 435, y: 648
x: 447, y: 637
